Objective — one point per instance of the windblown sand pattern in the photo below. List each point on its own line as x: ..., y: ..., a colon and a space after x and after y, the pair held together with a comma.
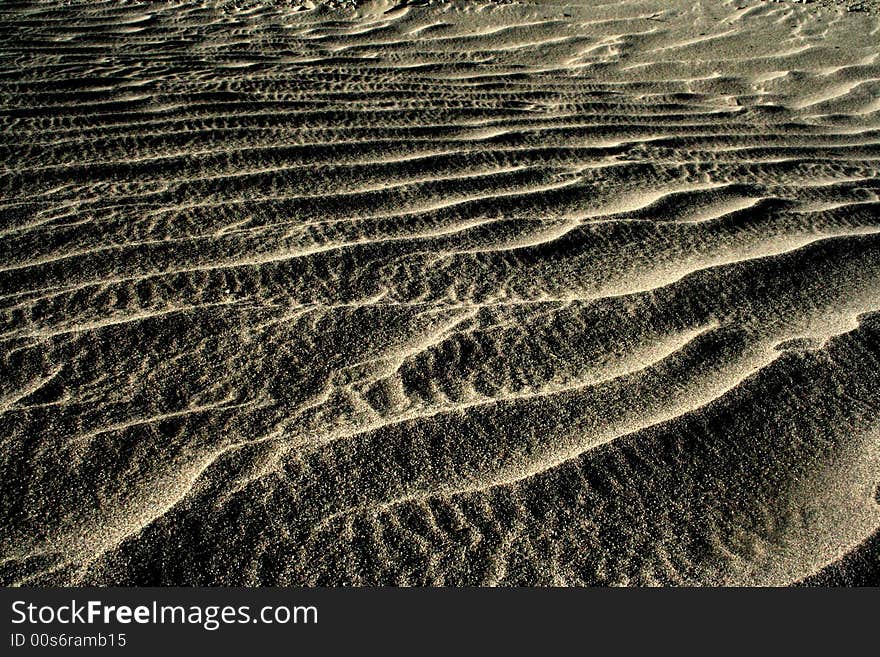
x: 464, y: 293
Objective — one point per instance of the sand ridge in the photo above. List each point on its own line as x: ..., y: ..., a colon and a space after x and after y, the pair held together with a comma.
x: 447, y: 293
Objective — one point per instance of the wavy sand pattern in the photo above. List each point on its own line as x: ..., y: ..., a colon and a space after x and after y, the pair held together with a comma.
x: 461, y: 293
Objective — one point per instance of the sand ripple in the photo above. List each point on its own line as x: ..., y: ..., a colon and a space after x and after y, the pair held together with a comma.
x: 465, y: 293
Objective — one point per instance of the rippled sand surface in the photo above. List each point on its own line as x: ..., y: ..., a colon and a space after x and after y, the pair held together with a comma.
x: 459, y: 293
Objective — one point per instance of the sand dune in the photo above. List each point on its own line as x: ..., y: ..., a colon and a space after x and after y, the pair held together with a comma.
x: 440, y: 293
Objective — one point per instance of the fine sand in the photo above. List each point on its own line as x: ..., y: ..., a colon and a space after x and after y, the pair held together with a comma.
x: 439, y: 293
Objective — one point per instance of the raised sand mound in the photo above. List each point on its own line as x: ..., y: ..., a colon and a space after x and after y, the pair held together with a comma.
x: 466, y: 293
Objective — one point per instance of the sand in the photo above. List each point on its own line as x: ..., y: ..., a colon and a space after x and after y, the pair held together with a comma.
x: 439, y: 293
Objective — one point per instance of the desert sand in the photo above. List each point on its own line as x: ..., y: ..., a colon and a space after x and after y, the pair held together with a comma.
x: 439, y: 293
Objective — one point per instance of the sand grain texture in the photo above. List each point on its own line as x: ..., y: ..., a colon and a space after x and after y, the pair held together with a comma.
x: 464, y: 293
